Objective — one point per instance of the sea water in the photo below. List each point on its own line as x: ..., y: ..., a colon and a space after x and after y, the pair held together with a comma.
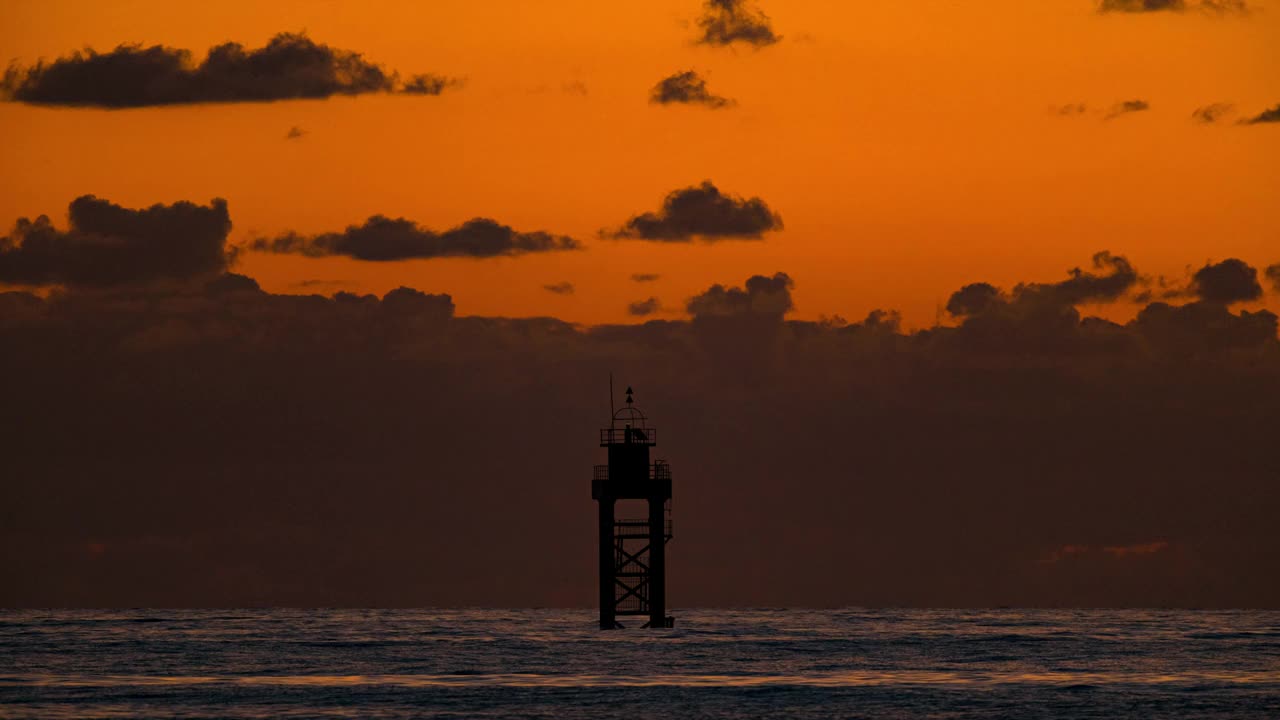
x: 713, y: 664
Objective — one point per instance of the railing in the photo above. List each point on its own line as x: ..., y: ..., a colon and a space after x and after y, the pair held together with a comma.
x: 639, y: 528
x: 657, y: 471
x: 626, y: 435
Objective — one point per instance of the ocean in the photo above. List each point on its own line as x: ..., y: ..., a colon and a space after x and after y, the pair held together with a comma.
x: 771, y: 663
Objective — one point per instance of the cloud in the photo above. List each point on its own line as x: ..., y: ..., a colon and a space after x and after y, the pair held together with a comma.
x: 290, y: 66
x: 1201, y: 328
x: 687, y: 88
x: 426, y: 84
x: 645, y: 277
x: 1140, y: 6
x: 1069, y: 109
x: 702, y: 212
x: 1225, y: 7
x: 231, y: 283
x: 383, y: 239
x: 1229, y: 281
x: 1212, y: 113
x: 106, y: 244
x: 641, y: 308
x: 761, y: 297
x: 1273, y: 274
x: 1039, y: 317
x: 974, y: 299
x: 1266, y: 116
x: 1126, y: 107
x: 1116, y: 278
x: 295, y: 133
x: 560, y: 288
x: 725, y: 22
x: 1137, y: 549
x: 1214, y: 7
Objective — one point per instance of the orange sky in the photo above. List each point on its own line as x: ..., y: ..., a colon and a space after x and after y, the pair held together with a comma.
x: 909, y: 147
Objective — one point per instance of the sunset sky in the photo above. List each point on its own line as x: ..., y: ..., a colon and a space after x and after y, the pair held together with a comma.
x: 909, y: 148
x: 936, y: 303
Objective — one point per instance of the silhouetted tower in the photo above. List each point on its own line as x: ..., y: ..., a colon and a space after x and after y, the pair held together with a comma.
x: 633, y: 557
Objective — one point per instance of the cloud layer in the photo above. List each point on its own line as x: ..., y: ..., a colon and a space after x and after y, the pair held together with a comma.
x: 363, y: 429
x: 686, y: 88
x: 383, y: 239
x: 725, y: 22
x: 290, y: 66
x: 705, y: 213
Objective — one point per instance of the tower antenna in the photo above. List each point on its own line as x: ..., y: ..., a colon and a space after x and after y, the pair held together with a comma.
x: 610, y: 393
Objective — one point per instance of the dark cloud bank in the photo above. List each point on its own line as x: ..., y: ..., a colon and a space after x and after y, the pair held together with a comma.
x: 687, y: 88
x: 290, y: 66
x: 702, y: 212
x: 202, y: 442
x: 725, y: 22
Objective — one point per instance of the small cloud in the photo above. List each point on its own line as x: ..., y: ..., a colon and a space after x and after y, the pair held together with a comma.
x: 1229, y: 281
x: 1069, y: 109
x: 702, y: 212
x: 1136, y: 550
x: 428, y: 84
x: 686, y: 88
x: 1212, y: 7
x: 642, y: 308
x: 1266, y: 116
x: 725, y: 22
x: 295, y: 133
x: 1126, y: 107
x: 1212, y: 113
x: 317, y: 283
x: 645, y: 277
x: 1141, y: 6
x: 1273, y: 274
x: 1225, y: 7
x: 560, y: 288
x: 974, y: 299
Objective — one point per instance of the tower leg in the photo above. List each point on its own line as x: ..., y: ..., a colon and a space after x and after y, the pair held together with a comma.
x: 608, y: 617
x: 657, y: 563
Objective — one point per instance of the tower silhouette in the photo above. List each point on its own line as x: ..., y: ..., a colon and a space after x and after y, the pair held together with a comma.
x: 633, y: 557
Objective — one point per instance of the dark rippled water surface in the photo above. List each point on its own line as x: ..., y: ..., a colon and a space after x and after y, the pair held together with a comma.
x: 715, y: 664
